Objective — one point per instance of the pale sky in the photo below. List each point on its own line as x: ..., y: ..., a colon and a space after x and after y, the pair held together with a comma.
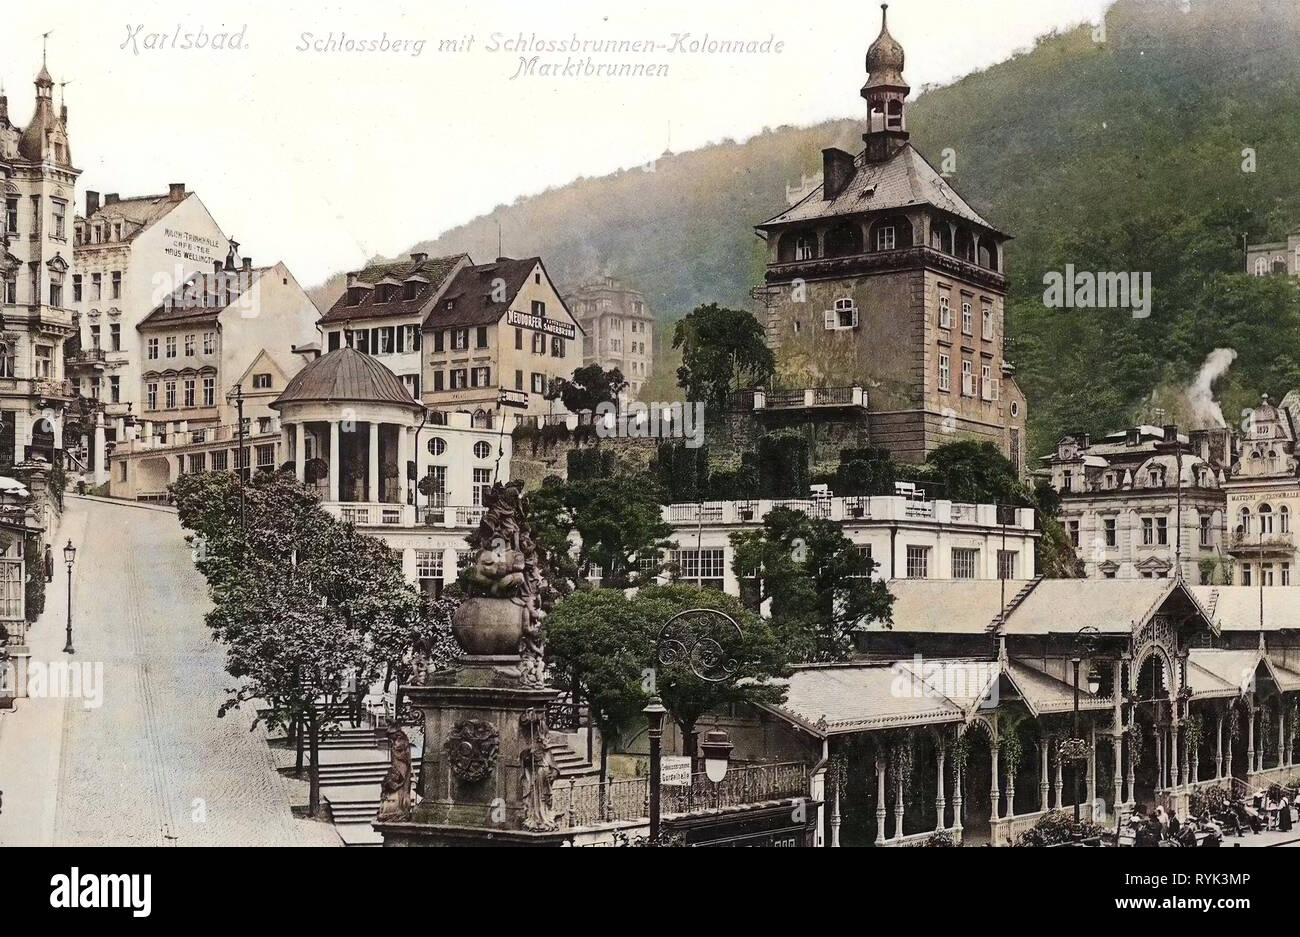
x: 325, y: 158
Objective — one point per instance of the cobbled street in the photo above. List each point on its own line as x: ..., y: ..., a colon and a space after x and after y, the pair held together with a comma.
x: 153, y: 765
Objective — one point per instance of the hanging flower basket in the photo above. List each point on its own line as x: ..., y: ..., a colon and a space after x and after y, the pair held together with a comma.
x: 1074, y: 749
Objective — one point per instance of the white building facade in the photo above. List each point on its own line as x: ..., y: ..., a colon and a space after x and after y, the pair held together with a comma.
x: 906, y: 537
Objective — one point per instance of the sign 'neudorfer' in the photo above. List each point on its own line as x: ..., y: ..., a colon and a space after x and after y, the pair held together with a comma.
x: 541, y: 324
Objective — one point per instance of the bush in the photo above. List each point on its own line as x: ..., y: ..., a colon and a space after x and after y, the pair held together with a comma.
x: 1211, y: 800
x: 939, y: 838
x: 1059, y: 827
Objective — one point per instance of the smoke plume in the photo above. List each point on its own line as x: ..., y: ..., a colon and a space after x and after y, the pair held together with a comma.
x: 1206, y: 411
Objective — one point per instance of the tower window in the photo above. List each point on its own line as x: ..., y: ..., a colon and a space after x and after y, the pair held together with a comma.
x: 805, y: 248
x: 886, y: 238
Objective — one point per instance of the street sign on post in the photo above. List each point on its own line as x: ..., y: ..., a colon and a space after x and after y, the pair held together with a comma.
x: 675, y: 770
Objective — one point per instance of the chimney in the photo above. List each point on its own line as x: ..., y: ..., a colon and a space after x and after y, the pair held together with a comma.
x: 352, y: 279
x: 1171, y: 432
x: 420, y: 257
x: 216, y: 266
x: 248, y: 263
x: 63, y: 116
x: 176, y: 192
x: 92, y: 202
x: 4, y: 109
x: 837, y: 172
x: 110, y: 199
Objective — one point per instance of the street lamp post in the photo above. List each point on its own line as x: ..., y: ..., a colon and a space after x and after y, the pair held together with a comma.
x: 69, y: 556
x: 1074, y: 732
x: 654, y: 713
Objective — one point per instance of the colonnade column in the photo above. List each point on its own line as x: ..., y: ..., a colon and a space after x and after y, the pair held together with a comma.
x: 880, y: 799
x: 994, y: 793
x: 336, y: 459
x: 1218, y: 747
x: 372, y: 468
x: 940, y: 802
x: 1092, y: 765
x: 300, y: 451
x: 1042, y: 773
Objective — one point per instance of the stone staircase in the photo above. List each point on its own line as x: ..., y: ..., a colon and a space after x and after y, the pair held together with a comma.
x: 351, y: 788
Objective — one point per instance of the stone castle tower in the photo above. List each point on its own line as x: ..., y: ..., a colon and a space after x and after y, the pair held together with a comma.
x: 884, y: 276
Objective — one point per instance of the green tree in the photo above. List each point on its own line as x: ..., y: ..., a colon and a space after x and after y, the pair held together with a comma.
x: 302, y: 602
x: 599, y: 647
x: 818, y: 583
x: 590, y: 386
x: 722, y: 349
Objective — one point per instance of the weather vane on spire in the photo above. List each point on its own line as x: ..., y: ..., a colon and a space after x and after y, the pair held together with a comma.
x: 45, y: 38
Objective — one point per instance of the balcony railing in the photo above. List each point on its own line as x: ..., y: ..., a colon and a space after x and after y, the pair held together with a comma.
x: 448, y: 515
x: 582, y: 805
x: 848, y: 510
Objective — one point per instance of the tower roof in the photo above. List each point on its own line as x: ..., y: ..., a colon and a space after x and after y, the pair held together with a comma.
x: 345, y: 376
x: 45, y: 125
x: 885, y: 59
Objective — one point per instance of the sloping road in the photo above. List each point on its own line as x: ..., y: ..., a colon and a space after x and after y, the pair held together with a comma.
x: 152, y: 765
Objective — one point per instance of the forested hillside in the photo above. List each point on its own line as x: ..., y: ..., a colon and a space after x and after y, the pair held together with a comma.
x: 1120, y: 155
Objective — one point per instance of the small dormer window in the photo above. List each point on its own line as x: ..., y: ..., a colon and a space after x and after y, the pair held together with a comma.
x: 410, y: 290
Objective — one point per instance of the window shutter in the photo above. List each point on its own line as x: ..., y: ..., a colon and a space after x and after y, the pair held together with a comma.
x: 830, y: 318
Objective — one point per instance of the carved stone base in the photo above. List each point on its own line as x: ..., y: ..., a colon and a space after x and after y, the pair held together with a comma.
x: 477, y: 742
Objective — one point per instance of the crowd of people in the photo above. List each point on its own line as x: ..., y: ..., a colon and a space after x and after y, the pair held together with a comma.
x: 1261, y: 811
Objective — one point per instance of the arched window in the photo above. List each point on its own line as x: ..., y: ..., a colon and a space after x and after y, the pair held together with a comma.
x: 1244, y: 526
x: 481, y: 419
x: 1261, y: 266
x: 1284, y: 519
x: 796, y: 245
x: 843, y: 240
x: 891, y: 233
x: 1265, y: 519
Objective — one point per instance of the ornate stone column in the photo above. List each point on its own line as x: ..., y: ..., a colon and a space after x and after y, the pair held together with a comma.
x: 835, y: 816
x: 880, y: 799
x: 1250, y: 738
x: 1117, y: 753
x: 898, y: 807
x: 1176, y: 761
x: 956, y: 798
x: 1132, y: 755
x: 1281, y: 733
x: 995, y: 795
x: 940, y: 801
x: 1042, y: 773
x: 1218, y: 746
x: 1092, y: 766
x: 1060, y: 780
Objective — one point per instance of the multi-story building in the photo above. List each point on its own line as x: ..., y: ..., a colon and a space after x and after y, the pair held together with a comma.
x: 224, y: 328
x: 132, y: 253
x: 885, y: 277
x: 1263, y: 496
x: 38, y: 183
x: 618, y: 329
x: 906, y: 536
x: 383, y: 310
x: 1280, y: 257
x: 1120, y: 497
x: 499, y: 330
